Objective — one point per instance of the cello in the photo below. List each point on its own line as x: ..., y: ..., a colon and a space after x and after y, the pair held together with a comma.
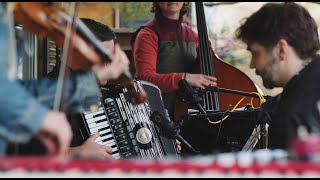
x: 227, y: 76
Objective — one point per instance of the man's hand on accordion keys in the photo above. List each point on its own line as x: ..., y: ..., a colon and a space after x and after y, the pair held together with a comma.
x: 90, y: 149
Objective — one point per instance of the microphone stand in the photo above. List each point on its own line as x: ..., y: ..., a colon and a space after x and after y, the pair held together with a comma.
x: 182, y: 140
x: 230, y: 91
x: 263, y: 124
x: 169, y: 129
x: 211, y: 114
x: 190, y: 95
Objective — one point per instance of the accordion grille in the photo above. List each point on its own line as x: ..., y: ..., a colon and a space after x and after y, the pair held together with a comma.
x: 124, y: 126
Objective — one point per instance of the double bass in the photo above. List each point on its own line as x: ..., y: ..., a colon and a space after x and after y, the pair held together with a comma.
x: 227, y: 75
x: 208, y: 135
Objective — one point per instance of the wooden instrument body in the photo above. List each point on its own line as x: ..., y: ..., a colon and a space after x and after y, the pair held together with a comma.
x: 227, y: 76
x: 230, y: 77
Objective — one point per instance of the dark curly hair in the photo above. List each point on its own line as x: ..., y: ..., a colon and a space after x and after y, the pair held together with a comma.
x: 155, y: 8
x: 101, y: 31
x: 275, y: 21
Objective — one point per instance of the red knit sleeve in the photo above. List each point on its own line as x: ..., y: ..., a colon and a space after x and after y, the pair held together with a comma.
x: 145, y: 52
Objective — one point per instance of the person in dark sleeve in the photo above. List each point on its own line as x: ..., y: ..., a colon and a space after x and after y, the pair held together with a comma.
x: 284, y: 43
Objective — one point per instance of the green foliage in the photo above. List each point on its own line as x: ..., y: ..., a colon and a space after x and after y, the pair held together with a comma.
x: 132, y: 10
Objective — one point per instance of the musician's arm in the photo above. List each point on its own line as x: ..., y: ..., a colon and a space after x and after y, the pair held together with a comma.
x: 82, y: 91
x: 145, y: 52
x: 21, y: 115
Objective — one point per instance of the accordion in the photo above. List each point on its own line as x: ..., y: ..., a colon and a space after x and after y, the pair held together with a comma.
x: 127, y: 127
